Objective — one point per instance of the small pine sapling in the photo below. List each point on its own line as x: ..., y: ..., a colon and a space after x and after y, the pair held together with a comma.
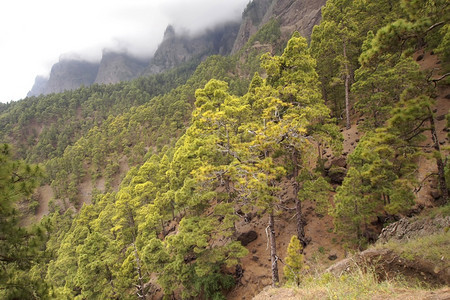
x: 294, y: 262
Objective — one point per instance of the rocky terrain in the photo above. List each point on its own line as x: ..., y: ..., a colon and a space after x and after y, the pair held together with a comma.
x: 293, y: 16
x: 177, y: 49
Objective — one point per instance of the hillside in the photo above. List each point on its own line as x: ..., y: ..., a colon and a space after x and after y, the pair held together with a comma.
x: 251, y: 156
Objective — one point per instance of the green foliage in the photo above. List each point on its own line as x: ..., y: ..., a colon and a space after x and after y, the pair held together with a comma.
x: 268, y: 34
x: 379, y: 87
x: 294, y: 262
x: 443, y: 48
x: 336, y: 43
x: 20, y: 248
x: 430, y: 248
x: 419, y: 23
x: 201, y: 145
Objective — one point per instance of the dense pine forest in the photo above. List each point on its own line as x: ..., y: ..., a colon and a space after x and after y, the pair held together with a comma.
x: 143, y: 189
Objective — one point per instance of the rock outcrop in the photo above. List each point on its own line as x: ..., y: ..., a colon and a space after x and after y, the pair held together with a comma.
x: 38, y: 86
x: 293, y: 15
x: 406, y: 228
x: 69, y: 74
x: 252, y: 20
x: 178, y: 49
x: 116, y: 67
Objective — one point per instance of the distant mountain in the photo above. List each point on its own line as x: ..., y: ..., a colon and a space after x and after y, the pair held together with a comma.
x: 38, y: 87
x: 116, y: 67
x: 67, y: 74
x: 176, y: 49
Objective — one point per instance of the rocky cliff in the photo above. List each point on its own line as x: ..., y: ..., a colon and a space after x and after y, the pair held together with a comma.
x: 115, y: 67
x: 176, y: 49
x: 38, y: 86
x: 293, y: 15
x: 69, y: 75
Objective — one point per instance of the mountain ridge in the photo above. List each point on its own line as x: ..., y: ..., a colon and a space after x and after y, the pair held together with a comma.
x: 178, y: 48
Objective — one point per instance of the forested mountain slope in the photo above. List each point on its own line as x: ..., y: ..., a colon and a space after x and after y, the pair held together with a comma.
x: 218, y: 178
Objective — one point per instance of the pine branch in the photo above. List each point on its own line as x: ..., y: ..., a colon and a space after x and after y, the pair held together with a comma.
x: 434, y: 26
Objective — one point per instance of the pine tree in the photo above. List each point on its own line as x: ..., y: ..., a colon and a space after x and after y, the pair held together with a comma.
x: 294, y: 262
x: 379, y: 86
x: 19, y: 247
x: 301, y: 121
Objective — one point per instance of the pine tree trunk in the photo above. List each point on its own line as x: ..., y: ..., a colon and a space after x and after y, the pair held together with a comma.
x: 140, y: 287
x: 347, y: 88
x: 300, y: 224
x: 162, y: 228
x: 298, y: 203
x: 440, y: 164
x: 273, y: 251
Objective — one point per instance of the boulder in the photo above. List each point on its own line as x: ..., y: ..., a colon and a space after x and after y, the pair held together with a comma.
x: 337, y: 174
x: 247, y: 237
x: 335, y: 162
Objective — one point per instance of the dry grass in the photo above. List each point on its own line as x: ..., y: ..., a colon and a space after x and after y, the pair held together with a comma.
x: 433, y: 248
x: 359, y: 284
x: 364, y: 283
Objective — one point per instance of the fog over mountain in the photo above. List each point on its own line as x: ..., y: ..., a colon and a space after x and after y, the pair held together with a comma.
x: 34, y: 35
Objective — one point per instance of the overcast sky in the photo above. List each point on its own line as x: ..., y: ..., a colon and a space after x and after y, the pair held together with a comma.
x: 35, y: 33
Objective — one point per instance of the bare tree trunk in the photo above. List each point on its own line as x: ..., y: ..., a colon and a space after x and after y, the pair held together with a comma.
x: 347, y: 88
x: 273, y: 251
x: 140, y: 287
x: 440, y: 164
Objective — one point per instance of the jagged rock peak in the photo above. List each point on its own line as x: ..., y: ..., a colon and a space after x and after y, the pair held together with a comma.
x: 169, y: 33
x: 177, y: 49
x: 38, y: 86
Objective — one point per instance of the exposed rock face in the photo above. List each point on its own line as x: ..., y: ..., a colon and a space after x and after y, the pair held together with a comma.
x: 177, y: 49
x: 252, y: 20
x: 38, y: 86
x: 410, y: 228
x: 116, y: 67
x: 69, y: 75
x: 299, y: 15
x: 294, y: 15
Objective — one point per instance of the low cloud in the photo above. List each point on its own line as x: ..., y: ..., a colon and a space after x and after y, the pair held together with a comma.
x: 36, y: 34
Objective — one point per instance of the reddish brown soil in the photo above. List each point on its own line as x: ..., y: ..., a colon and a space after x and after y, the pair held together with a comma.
x: 45, y: 195
x: 427, y: 166
x: 256, y: 265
